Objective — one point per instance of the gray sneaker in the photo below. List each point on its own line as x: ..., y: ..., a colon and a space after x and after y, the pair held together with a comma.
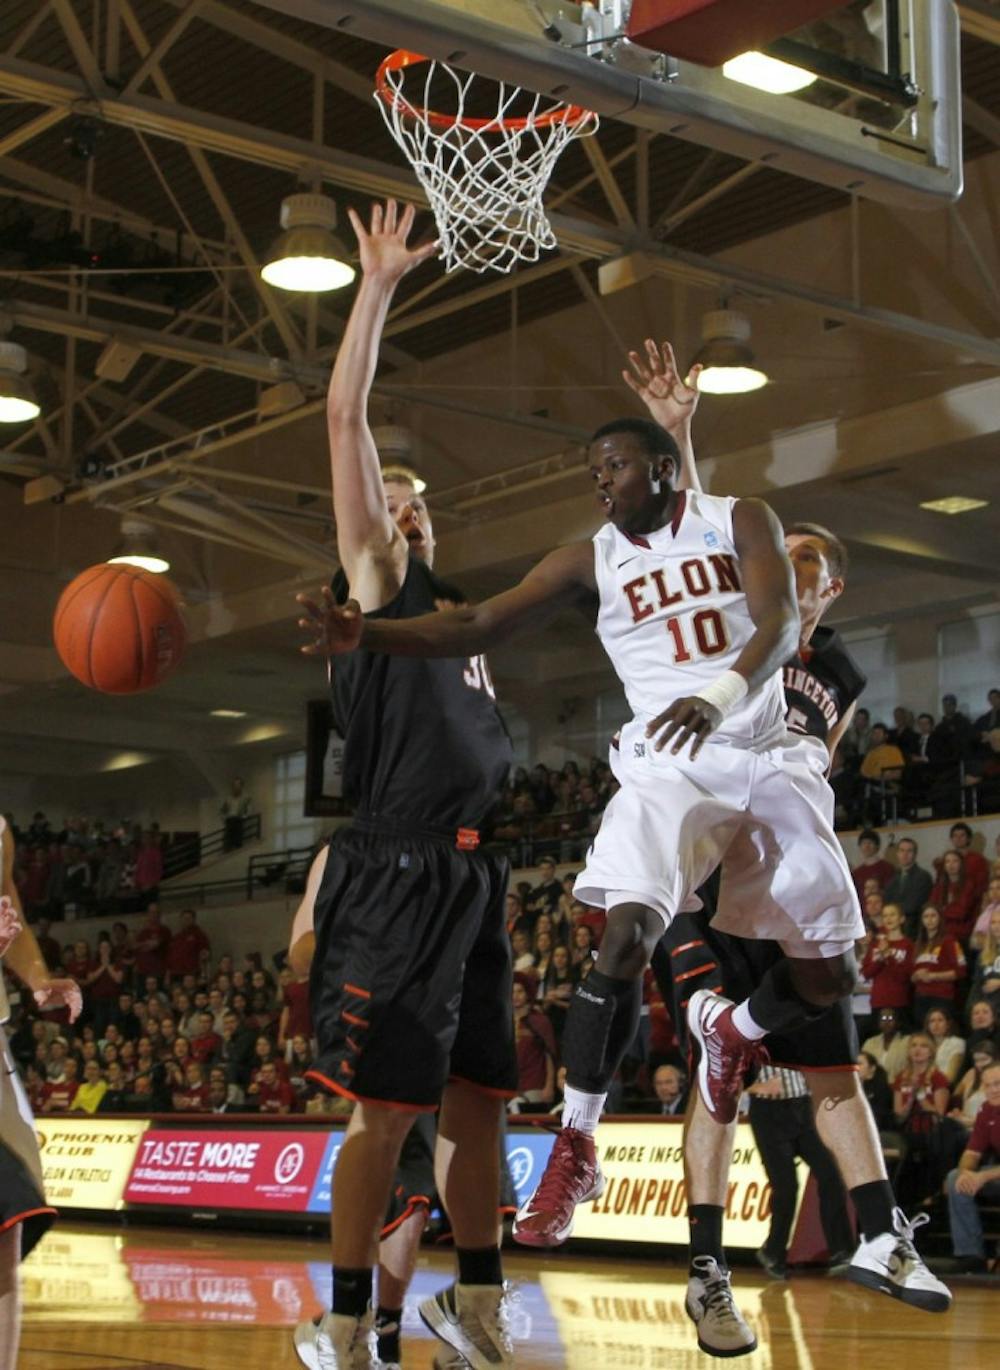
x: 336, y: 1342
x: 709, y: 1304
x: 472, y: 1320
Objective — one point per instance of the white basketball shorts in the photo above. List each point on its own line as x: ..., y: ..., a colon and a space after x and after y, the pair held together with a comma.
x: 764, y: 816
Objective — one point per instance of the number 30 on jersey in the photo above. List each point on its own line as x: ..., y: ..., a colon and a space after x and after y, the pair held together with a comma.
x: 477, y: 676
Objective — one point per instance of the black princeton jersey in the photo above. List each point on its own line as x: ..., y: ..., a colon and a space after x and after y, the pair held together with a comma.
x: 424, y: 743
x: 821, y: 688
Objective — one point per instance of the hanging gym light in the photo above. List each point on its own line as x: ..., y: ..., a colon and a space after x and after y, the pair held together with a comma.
x: 139, y: 547
x: 17, y: 396
x: 307, y: 256
x: 726, y: 355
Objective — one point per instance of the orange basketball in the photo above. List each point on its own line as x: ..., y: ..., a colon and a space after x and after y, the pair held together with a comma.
x: 119, y: 629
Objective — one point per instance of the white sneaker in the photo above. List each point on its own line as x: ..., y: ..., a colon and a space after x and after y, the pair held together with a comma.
x: 709, y: 1304
x: 891, y: 1264
x: 337, y: 1342
x: 472, y: 1320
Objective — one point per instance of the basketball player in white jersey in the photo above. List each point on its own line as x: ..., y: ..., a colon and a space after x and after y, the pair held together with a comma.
x: 24, y: 1214
x: 694, y: 602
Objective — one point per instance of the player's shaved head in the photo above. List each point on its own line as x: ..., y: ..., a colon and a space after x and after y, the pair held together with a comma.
x: 655, y: 440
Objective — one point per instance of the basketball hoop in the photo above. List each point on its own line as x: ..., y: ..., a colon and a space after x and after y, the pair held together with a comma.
x: 484, y: 176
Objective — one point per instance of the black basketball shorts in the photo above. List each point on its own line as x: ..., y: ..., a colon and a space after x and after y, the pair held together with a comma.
x: 692, y: 955
x: 411, y: 979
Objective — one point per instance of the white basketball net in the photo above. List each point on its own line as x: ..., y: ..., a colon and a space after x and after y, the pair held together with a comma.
x: 484, y: 183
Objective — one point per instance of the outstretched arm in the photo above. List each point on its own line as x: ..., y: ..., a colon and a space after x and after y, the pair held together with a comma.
x: 654, y: 376
x: 563, y: 579
x: 372, y: 549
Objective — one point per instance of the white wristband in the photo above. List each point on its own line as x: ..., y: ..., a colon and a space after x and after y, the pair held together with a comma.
x: 725, y: 692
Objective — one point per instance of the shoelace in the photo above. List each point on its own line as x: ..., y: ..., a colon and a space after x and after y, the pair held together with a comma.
x: 719, y: 1300
x: 905, y: 1228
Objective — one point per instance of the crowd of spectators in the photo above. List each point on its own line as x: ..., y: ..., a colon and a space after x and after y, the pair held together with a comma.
x: 553, y: 812
x: 918, y: 765
x: 165, y: 1028
x: 928, y: 1006
x: 83, y: 864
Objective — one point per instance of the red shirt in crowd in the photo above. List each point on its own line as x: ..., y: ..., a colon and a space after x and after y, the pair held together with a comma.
x: 191, y: 1099
x: 184, y: 952
x: 59, y: 1096
x: 984, y: 1139
x: 151, y: 943
x: 535, y: 1043
x: 946, y: 955
x: 879, y: 870
x: 105, y: 986
x: 922, y: 1086
x: 958, y: 905
x: 888, y: 967
x: 297, y: 1002
x: 596, y: 920
x: 148, y: 868
x: 205, y: 1048
x: 276, y: 1098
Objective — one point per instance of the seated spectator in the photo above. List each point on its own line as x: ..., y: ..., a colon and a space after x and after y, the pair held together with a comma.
x: 521, y: 950
x: 670, y: 1093
x: 871, y: 865
x: 152, y: 942
x: 77, y: 886
x: 273, y: 1093
x: 977, y: 868
x: 889, y: 1047
x: 888, y: 963
x: 983, y: 1023
x: 986, y: 984
x: 536, y: 1047
x: 904, y: 733
x: 90, y: 1094
x: 910, y: 886
x: 125, y: 1018
x: 123, y: 952
x: 990, y: 905
x: 877, y: 1090
x: 541, y: 956
x: 949, y: 1049
x: 957, y: 896
x: 920, y: 1097
x: 262, y: 1016
x: 583, y: 945
x: 557, y: 989
x: 544, y: 897
x: 298, y: 1061
x: 190, y: 1093
x: 938, y: 965
x: 970, y: 1095
x: 218, y: 1095
x: 872, y: 907
x: 206, y: 1043
x: 116, y: 1092
x: 59, y: 1094
x: 976, y: 1178
x: 883, y: 761
x: 263, y: 1052
x: 857, y: 738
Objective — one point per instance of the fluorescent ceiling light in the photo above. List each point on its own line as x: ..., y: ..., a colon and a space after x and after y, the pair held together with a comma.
x: 767, y: 73
x: 17, y: 398
x: 307, y: 256
x: 953, y: 504
x: 146, y: 563
x: 726, y: 355
x: 229, y: 713
x: 138, y: 547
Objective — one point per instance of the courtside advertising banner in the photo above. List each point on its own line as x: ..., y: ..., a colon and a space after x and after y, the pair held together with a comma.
x: 270, y: 1170
x: 85, y: 1162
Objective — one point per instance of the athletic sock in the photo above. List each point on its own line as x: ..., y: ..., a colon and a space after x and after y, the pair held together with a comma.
x: 602, y: 1021
x: 479, y: 1265
x: 388, y: 1324
x: 705, y: 1227
x: 775, y: 1006
x: 352, y: 1291
x: 874, y: 1203
x: 582, y: 1111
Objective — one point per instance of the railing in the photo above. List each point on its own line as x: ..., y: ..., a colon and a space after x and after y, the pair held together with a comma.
x: 289, y: 867
x: 189, y: 852
x: 951, y: 789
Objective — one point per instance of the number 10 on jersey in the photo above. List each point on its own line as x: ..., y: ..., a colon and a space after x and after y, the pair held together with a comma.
x: 706, y: 636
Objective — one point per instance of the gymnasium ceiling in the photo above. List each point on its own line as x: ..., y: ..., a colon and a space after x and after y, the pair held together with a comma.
x: 197, y: 117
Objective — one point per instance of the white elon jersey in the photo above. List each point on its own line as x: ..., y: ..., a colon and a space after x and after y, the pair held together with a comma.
x: 673, y: 616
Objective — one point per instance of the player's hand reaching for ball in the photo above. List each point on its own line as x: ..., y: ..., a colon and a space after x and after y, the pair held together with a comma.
x: 336, y: 627
x: 655, y: 378
x: 687, y: 720
x: 10, y: 924
x: 384, y: 250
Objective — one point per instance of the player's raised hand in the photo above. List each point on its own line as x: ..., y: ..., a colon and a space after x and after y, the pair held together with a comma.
x: 10, y: 923
x: 687, y: 720
x: 60, y: 994
x: 385, y: 252
x: 654, y: 376
x: 336, y: 628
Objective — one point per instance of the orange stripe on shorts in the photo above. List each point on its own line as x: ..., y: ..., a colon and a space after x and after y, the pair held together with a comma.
x: 361, y: 993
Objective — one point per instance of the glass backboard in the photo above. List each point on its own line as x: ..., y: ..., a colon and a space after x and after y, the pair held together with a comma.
x: 880, y: 117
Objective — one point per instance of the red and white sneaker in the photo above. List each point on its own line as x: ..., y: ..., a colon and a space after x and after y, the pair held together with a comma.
x: 724, y: 1054
x: 572, y: 1176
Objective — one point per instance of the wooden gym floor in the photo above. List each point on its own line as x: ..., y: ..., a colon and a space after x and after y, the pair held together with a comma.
x: 161, y: 1299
